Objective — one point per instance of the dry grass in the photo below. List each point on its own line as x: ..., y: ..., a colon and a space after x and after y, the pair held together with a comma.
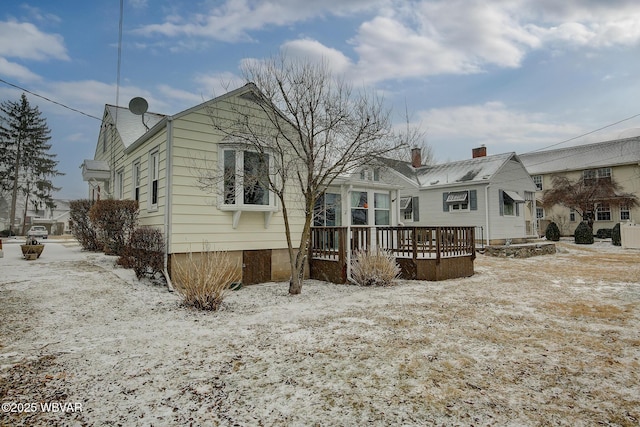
x: 374, y: 268
x: 204, y: 279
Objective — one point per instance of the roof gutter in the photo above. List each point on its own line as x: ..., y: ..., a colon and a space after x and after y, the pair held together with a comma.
x: 167, y: 200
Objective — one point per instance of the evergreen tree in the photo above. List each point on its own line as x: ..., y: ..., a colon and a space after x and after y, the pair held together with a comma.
x: 26, y: 165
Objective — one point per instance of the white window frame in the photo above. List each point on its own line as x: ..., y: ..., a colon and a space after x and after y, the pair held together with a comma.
x: 539, y: 212
x: 461, y: 206
x: 572, y: 215
x: 624, y: 209
x: 119, y: 184
x: 537, y: 180
x: 406, y: 208
x: 238, y: 204
x: 379, y: 209
x: 135, y: 180
x: 154, y: 176
x: 604, y: 210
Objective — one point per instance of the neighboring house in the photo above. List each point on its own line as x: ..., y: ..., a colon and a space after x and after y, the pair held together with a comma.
x: 56, y: 220
x: 617, y: 159
x: 157, y: 159
x: 493, y: 193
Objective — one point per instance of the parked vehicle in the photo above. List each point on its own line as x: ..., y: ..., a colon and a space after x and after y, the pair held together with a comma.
x: 38, y: 231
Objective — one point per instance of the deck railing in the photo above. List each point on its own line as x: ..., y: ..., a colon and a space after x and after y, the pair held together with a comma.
x: 329, y: 243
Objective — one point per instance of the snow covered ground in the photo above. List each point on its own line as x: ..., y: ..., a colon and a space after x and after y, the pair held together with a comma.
x: 549, y: 340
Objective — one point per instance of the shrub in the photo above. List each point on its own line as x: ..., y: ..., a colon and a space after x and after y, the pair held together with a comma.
x: 204, y: 279
x: 583, y: 234
x: 553, y: 232
x: 81, y: 227
x: 616, y: 237
x: 145, y: 252
x: 374, y: 269
x: 603, y: 233
x: 115, y: 221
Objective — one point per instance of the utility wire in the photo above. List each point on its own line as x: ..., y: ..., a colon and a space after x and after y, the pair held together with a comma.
x: 584, y: 134
x: 50, y: 100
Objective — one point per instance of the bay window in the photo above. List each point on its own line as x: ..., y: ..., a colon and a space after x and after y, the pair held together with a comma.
x: 246, y: 179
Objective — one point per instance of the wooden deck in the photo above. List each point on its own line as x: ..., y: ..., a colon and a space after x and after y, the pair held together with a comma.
x: 423, y: 253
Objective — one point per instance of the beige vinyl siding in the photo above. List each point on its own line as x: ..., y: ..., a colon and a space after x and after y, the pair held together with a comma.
x: 195, y: 214
x: 627, y: 176
x: 114, y: 156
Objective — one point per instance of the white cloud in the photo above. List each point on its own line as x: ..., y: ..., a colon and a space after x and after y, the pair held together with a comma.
x: 233, y: 20
x: 216, y: 84
x: 313, y: 50
x: 182, y: 96
x: 26, y: 41
x: 17, y: 71
x: 493, y: 124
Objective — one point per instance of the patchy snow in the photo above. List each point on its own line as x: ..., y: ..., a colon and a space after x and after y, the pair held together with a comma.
x: 537, y: 341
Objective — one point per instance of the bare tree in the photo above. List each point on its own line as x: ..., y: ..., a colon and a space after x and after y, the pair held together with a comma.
x: 410, y: 137
x: 585, y: 194
x: 309, y: 127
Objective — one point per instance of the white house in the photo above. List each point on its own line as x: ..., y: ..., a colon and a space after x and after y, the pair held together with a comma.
x: 494, y: 193
x: 156, y: 159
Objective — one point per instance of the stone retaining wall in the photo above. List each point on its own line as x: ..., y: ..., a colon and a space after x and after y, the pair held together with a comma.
x: 521, y: 251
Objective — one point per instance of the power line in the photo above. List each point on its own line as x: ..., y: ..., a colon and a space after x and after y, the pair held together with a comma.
x: 50, y: 100
x: 584, y: 134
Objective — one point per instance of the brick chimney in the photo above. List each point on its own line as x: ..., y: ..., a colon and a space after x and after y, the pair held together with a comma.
x: 479, y: 152
x: 416, y: 157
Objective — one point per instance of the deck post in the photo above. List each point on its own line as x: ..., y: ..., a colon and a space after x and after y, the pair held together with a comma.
x: 438, y: 244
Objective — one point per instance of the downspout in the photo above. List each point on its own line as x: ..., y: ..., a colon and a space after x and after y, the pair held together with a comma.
x: 486, y: 211
x: 167, y: 201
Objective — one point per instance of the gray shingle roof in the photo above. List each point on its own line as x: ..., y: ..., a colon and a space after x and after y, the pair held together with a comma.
x: 129, y: 125
x: 602, y: 154
x: 479, y: 169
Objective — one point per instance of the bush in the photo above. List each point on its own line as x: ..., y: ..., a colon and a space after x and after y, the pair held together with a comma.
x: 603, y: 233
x: 583, y: 234
x: 552, y: 233
x: 374, y: 269
x: 616, y: 237
x: 81, y: 227
x: 145, y: 252
x: 204, y: 279
x: 115, y: 221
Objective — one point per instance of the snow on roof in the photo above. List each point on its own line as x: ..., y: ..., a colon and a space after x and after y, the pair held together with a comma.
x: 129, y: 125
x: 479, y: 169
x: 601, y: 154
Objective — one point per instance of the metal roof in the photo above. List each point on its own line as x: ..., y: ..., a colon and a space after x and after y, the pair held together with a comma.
x: 580, y: 157
x: 129, y: 125
x: 470, y: 171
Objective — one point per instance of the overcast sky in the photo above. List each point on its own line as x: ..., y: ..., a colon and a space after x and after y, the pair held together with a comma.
x: 515, y: 75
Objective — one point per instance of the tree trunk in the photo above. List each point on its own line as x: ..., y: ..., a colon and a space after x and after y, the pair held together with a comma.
x: 14, y: 192
x: 298, y: 264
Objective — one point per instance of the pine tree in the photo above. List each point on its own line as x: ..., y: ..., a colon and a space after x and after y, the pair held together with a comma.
x: 26, y: 165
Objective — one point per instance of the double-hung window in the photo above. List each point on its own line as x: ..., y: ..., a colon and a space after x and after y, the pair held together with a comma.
x: 537, y: 180
x: 135, y: 179
x: 625, y: 214
x: 120, y: 184
x: 154, y: 174
x: 381, y: 206
x: 603, y: 212
x: 246, y: 179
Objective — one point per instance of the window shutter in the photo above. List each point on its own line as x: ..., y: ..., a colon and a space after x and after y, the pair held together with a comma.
x: 445, y: 207
x: 473, y: 200
x: 415, y: 206
x: 501, y: 201
x: 517, y: 209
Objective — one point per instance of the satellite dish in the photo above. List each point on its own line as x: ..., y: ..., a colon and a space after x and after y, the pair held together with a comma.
x: 138, y: 106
